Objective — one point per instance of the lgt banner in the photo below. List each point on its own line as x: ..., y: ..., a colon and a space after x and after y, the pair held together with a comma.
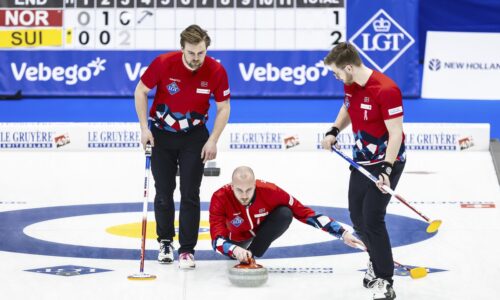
x: 385, y: 34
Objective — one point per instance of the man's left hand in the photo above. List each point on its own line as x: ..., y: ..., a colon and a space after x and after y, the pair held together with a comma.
x: 384, y: 171
x: 383, y: 179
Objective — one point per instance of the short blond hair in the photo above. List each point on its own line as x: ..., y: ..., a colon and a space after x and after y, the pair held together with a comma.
x: 194, y: 35
x: 342, y: 55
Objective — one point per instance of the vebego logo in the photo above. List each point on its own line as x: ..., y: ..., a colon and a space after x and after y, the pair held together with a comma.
x: 299, y: 75
x: 382, y: 40
x: 70, y: 75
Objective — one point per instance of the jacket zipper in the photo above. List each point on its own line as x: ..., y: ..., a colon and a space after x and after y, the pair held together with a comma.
x: 250, y: 220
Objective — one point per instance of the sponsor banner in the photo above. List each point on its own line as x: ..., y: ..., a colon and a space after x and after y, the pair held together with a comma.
x: 236, y: 137
x: 385, y: 33
x: 447, y: 137
x: 461, y: 65
x: 274, y: 137
x: 480, y: 205
x: 69, y: 136
x: 307, y: 137
x: 116, y: 73
x: 67, y: 270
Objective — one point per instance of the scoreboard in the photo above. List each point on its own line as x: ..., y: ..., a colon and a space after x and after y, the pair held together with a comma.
x: 269, y: 48
x: 157, y: 24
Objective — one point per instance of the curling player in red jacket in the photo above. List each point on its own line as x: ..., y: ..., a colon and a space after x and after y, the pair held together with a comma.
x: 247, y: 215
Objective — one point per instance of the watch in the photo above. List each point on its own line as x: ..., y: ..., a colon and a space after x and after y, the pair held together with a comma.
x: 386, y: 168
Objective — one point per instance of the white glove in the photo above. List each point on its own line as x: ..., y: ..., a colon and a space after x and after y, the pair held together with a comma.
x: 241, y: 254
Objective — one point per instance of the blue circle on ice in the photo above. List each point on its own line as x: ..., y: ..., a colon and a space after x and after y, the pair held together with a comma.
x: 402, y: 230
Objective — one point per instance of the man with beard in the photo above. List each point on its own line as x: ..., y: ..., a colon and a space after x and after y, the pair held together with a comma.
x: 247, y: 215
x: 184, y: 81
x: 373, y: 106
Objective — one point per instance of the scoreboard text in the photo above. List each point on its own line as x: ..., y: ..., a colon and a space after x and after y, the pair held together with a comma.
x: 156, y: 24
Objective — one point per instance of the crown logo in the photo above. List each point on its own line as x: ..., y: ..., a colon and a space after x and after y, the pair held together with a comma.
x: 381, y: 25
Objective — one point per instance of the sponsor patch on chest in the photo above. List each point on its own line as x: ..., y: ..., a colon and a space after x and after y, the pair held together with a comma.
x: 237, y: 221
x: 173, y: 88
x: 261, y: 215
x: 203, y: 91
x: 366, y: 106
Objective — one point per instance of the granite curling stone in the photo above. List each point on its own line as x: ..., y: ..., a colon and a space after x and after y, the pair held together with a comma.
x: 248, y: 275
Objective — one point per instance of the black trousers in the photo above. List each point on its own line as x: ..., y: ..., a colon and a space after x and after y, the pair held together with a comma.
x: 367, y: 207
x: 272, y: 228
x: 183, y: 151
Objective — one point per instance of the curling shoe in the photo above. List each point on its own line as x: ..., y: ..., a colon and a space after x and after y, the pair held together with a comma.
x: 186, y: 261
x: 370, y: 277
x: 382, y: 290
x: 166, y: 252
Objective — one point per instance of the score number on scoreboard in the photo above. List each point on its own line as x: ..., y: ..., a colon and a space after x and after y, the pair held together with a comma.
x: 156, y: 24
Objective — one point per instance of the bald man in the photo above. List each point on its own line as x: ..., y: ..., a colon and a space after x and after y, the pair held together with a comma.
x: 247, y: 215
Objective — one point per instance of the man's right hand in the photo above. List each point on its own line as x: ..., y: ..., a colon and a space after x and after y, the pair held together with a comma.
x: 147, y: 137
x: 242, y: 255
x: 329, y: 141
x: 351, y: 240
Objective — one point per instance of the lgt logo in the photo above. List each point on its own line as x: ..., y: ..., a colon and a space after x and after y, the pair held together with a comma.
x: 237, y: 221
x: 382, y: 40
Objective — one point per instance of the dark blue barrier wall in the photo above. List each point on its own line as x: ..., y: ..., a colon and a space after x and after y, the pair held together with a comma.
x: 247, y: 111
x: 457, y: 15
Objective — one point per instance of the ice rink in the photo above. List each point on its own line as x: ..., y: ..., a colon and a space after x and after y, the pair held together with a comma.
x: 64, y: 218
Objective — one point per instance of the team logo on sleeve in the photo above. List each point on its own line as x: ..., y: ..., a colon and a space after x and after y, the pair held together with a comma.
x: 395, y: 110
x: 346, y: 102
x: 173, y: 88
x: 237, y: 221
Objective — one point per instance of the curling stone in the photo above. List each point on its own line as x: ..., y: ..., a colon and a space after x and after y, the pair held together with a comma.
x: 248, y: 275
x: 211, y: 169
